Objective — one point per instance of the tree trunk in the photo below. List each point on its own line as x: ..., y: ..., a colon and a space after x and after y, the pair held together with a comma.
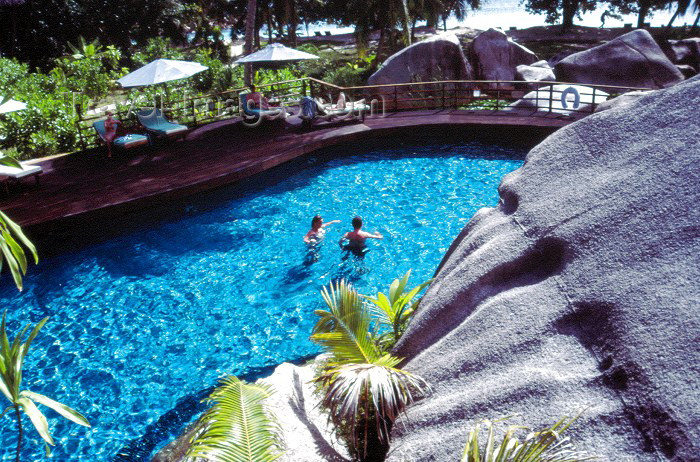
x: 673, y: 18
x: 643, y: 11
x: 248, y: 46
x: 695, y: 24
x: 568, y: 13
x: 19, y: 432
x: 292, y: 21
x: 405, y: 21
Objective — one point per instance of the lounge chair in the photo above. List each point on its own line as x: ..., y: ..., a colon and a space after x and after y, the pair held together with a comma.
x: 328, y: 33
x: 122, y: 142
x: 254, y: 106
x: 342, y: 108
x: 155, y: 122
x: 13, y: 173
x: 317, y: 34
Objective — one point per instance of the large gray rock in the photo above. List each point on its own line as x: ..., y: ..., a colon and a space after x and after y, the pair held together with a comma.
x: 579, y: 289
x: 437, y: 58
x: 559, y: 99
x: 534, y: 73
x: 631, y: 60
x: 495, y: 56
x: 686, y: 51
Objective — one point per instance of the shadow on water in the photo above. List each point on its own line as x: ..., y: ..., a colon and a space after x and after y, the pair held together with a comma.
x: 172, y: 423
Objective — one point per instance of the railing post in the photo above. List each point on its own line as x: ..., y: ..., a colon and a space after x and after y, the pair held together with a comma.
x: 303, y: 87
x: 396, y: 96
x: 443, y: 95
x: 498, y: 96
x: 194, y: 115
x: 551, y: 96
x: 593, y: 102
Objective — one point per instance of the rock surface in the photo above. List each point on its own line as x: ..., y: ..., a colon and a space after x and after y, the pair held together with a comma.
x: 579, y: 289
x: 620, y: 101
x: 437, y: 58
x: 632, y: 60
x: 534, y: 73
x: 686, y: 51
x: 306, y: 431
x: 307, y: 435
x: 539, y: 100
x: 495, y: 56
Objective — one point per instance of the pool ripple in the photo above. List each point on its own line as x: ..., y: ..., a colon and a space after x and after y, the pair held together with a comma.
x: 143, y: 323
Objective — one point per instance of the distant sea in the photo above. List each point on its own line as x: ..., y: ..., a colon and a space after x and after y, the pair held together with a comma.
x: 509, y: 13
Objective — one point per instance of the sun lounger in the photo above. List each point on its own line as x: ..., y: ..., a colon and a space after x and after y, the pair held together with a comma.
x: 122, y: 142
x: 328, y: 33
x: 155, y: 122
x: 317, y: 34
x: 13, y: 173
x: 342, y: 108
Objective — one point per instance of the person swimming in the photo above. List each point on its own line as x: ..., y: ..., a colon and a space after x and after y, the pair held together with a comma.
x: 317, y: 230
x: 356, y: 238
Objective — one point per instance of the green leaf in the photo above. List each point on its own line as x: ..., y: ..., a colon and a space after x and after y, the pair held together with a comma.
x: 17, y: 251
x: 16, y: 230
x: 238, y: 427
x: 65, y: 411
x: 14, y: 268
x: 37, y: 418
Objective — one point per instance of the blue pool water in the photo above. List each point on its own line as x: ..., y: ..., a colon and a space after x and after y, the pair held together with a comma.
x: 153, y: 315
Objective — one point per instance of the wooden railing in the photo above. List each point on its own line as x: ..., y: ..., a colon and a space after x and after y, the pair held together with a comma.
x: 479, y: 96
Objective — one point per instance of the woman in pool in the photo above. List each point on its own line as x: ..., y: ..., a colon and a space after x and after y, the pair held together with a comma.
x: 317, y: 229
x: 356, y: 238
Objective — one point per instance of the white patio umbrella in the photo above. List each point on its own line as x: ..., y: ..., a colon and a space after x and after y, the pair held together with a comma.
x: 11, y: 106
x: 159, y: 71
x: 276, y: 52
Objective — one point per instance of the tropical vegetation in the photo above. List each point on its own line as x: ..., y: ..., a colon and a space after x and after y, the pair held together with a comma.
x: 545, y: 445
x: 393, y: 312
x: 238, y: 427
x: 11, y: 362
x: 362, y: 387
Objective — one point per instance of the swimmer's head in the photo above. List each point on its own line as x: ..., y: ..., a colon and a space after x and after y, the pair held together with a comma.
x: 357, y: 222
x: 316, y: 221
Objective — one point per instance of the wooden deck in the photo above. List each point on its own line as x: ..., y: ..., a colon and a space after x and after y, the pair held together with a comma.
x: 89, y: 185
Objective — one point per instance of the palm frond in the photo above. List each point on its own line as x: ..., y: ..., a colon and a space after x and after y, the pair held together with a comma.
x: 344, y: 331
x: 395, y: 311
x: 238, y: 427
x: 12, y: 252
x: 547, y: 445
x: 353, y: 392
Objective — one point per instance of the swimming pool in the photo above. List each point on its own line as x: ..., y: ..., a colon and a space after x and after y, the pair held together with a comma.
x: 144, y: 321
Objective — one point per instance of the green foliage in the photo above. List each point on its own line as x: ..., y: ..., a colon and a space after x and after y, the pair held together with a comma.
x: 394, y: 312
x: 238, y: 427
x: 10, y: 233
x: 545, y: 445
x: 155, y: 48
x: 362, y: 388
x: 11, y: 362
x: 219, y: 77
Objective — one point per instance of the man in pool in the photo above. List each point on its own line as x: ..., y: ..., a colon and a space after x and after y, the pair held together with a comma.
x: 356, y: 238
x: 317, y: 229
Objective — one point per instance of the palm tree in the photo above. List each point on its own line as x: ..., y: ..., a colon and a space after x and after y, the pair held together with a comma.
x: 545, y: 445
x: 238, y: 427
x: 394, y: 311
x: 10, y: 232
x: 250, y: 32
x: 11, y: 361
x: 362, y: 386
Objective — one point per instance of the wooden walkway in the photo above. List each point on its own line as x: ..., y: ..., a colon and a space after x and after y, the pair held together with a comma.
x: 89, y: 185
